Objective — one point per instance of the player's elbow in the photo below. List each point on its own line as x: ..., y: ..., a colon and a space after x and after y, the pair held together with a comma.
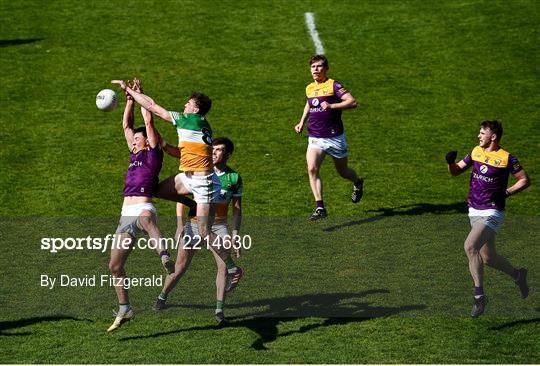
x: 353, y: 103
x: 454, y: 170
x: 526, y: 182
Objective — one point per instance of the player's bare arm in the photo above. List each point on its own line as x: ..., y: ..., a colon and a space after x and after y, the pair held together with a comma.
x: 300, y: 125
x: 523, y: 182
x: 128, y: 120
x: 453, y: 167
x: 145, y: 101
x: 173, y: 151
x: 347, y: 102
x: 151, y: 131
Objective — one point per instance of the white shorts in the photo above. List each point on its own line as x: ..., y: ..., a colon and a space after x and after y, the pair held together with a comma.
x: 334, y: 146
x: 491, y: 218
x: 191, y: 232
x: 205, y: 188
x: 129, y: 221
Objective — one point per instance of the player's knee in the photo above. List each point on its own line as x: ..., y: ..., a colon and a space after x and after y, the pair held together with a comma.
x: 180, y: 268
x: 146, y: 220
x: 221, y: 267
x: 116, y: 268
x: 313, y: 170
x: 343, y: 173
x: 470, y: 248
x: 487, y: 259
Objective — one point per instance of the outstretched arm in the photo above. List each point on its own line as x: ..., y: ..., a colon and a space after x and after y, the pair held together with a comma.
x: 145, y: 101
x: 127, y: 121
x: 151, y: 131
x: 173, y: 151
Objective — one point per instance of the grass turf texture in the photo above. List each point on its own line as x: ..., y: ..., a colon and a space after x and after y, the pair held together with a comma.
x: 425, y: 74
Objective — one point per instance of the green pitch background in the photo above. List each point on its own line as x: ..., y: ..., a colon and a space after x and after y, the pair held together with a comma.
x: 384, y: 281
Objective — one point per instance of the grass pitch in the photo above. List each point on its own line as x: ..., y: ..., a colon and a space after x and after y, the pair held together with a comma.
x: 384, y: 281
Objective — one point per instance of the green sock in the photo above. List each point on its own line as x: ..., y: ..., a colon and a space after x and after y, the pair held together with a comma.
x: 219, y: 306
x: 163, y: 296
x: 230, y: 263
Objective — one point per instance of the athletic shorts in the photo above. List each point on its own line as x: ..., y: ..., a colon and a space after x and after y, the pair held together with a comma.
x: 334, y: 146
x: 491, y: 218
x: 205, y: 188
x: 191, y: 233
x: 129, y: 221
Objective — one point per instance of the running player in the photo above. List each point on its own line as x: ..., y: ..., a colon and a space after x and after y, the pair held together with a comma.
x: 231, y: 193
x: 197, y: 176
x: 326, y: 98
x: 491, y: 167
x: 138, y: 211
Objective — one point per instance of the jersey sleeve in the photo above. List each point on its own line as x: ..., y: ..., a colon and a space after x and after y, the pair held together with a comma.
x: 514, y: 164
x: 468, y: 159
x: 339, y: 90
x: 176, y: 117
x: 238, y: 187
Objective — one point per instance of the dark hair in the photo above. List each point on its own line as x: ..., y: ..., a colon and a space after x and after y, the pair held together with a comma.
x: 203, y: 102
x: 141, y: 130
x: 319, y: 58
x: 229, y: 146
x: 495, y: 126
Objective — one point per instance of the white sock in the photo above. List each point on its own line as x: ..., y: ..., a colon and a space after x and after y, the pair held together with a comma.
x: 124, y: 308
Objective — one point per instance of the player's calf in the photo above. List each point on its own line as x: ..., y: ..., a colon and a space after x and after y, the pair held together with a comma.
x: 521, y: 282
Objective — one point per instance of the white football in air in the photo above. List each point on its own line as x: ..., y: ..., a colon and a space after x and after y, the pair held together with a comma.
x: 106, y: 100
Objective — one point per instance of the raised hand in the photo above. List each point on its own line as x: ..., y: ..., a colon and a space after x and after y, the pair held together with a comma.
x: 121, y: 83
x: 451, y: 157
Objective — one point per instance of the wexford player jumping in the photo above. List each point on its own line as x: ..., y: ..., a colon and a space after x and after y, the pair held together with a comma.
x: 197, y: 176
x: 231, y: 192
x: 491, y: 166
x: 326, y: 98
x: 138, y: 211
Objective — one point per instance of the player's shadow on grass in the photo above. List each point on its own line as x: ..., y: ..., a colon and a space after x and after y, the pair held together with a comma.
x: 406, y: 210
x: 516, y: 323
x: 331, y: 309
x: 16, y: 42
x: 423, y: 208
x: 15, y: 324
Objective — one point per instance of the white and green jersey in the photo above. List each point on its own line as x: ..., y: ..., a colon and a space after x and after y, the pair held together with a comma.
x: 231, y: 186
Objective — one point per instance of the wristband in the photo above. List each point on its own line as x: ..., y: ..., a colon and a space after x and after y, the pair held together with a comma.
x: 507, y: 193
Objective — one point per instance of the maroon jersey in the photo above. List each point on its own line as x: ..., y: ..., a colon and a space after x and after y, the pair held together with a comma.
x: 489, y: 177
x: 143, y: 173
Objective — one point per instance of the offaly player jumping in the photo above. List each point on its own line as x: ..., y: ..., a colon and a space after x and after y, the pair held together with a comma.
x: 491, y: 167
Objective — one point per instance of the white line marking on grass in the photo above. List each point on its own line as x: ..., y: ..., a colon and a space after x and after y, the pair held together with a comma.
x: 310, y: 22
